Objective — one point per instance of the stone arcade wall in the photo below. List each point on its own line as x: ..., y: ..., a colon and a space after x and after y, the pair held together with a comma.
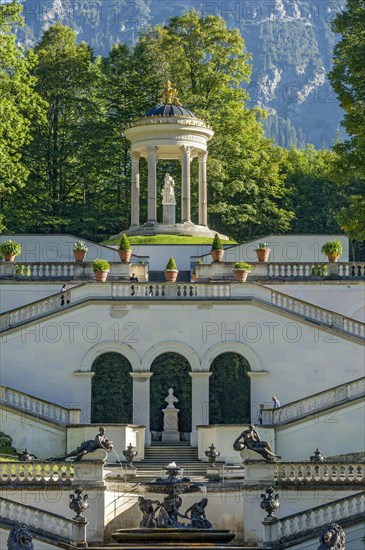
x: 52, y: 358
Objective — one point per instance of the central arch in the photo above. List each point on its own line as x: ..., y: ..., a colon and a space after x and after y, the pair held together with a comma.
x: 170, y: 370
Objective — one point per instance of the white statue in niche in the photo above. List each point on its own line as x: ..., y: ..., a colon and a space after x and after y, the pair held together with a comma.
x: 168, y: 191
x: 171, y: 399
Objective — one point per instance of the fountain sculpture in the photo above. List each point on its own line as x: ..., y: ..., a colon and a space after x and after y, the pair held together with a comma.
x: 163, y: 521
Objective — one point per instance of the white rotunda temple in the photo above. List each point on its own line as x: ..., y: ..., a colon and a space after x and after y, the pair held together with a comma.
x: 169, y: 132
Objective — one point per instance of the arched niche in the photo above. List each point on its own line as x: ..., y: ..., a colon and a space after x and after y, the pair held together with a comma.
x: 111, y: 389
x: 229, y: 389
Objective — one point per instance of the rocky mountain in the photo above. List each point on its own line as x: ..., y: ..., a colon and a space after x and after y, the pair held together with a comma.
x: 291, y: 43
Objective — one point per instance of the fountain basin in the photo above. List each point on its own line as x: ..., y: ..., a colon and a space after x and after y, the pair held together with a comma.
x: 173, y: 535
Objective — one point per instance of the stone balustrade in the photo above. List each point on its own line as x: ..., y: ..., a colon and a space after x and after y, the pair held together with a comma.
x: 325, y: 472
x: 181, y: 291
x: 315, y: 518
x: 38, y: 407
x: 51, y: 527
x: 68, y: 271
x: 316, y: 403
x: 35, y: 472
x: 287, y: 271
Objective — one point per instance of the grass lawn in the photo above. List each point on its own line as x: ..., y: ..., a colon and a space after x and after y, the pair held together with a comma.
x: 167, y: 239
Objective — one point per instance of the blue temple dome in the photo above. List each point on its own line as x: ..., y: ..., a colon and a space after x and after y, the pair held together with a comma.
x: 169, y: 110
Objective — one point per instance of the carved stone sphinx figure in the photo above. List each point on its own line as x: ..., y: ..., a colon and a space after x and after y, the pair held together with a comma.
x: 20, y: 538
x: 332, y: 538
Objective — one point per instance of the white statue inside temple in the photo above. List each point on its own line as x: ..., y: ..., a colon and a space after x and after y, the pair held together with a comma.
x: 168, y: 191
x: 171, y: 399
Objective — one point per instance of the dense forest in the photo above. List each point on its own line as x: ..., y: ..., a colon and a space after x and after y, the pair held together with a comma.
x: 65, y: 164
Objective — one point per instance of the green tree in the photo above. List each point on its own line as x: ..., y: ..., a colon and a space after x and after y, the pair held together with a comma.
x: 315, y: 196
x: 352, y: 218
x: 348, y: 80
x: 67, y: 155
x: 19, y: 104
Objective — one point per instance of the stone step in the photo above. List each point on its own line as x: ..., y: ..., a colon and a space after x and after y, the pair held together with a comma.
x: 168, y: 547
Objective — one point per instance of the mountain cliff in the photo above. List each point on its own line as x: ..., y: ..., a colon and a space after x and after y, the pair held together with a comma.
x: 291, y: 43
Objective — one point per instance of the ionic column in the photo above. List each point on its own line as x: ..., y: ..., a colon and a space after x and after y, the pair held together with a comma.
x: 135, y: 189
x: 151, y: 184
x: 199, y: 403
x: 203, y: 195
x: 141, y: 401
x: 185, y: 184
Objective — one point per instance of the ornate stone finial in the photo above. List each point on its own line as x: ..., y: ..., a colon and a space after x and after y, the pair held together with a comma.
x: 317, y: 456
x: 79, y: 504
x: 212, y: 455
x: 332, y: 538
x: 20, y: 538
x: 170, y: 95
x: 270, y: 503
x: 130, y: 453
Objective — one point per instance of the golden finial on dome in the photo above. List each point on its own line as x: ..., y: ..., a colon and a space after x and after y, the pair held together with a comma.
x: 170, y: 95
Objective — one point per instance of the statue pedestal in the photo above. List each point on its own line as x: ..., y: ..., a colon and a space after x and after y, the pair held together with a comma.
x: 169, y: 214
x: 170, y: 425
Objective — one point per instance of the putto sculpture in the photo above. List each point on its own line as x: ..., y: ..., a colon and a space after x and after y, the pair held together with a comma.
x: 20, y: 538
x: 251, y: 440
x: 332, y: 538
x: 99, y: 442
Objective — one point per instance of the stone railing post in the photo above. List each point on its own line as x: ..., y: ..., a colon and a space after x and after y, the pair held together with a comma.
x: 89, y: 471
x: 74, y: 416
x: 271, y: 533
x: 78, y: 534
x: 333, y: 270
x: 259, y: 471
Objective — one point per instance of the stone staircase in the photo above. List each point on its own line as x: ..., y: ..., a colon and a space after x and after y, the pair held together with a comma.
x: 158, y: 457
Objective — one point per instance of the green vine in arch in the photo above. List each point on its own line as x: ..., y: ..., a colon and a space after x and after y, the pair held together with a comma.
x: 229, y: 390
x: 111, y: 389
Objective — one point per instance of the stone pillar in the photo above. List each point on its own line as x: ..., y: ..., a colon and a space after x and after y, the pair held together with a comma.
x: 199, y: 403
x: 141, y: 401
x: 170, y: 425
x: 135, y: 189
x: 185, y: 184
x: 151, y: 218
x: 203, y: 193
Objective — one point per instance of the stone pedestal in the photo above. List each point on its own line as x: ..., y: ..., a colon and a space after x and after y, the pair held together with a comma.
x: 169, y: 214
x: 170, y: 425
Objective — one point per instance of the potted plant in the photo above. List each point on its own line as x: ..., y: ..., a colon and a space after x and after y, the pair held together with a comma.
x: 241, y: 270
x: 217, y: 250
x: 101, y: 269
x: 9, y: 249
x: 171, y: 271
x: 125, y: 249
x: 198, y: 262
x: 333, y: 250
x: 80, y: 249
x: 262, y: 252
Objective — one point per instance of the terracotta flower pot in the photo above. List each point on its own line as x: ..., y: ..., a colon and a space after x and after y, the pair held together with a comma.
x: 240, y: 275
x: 125, y: 255
x: 262, y: 254
x: 9, y: 257
x: 171, y: 275
x: 101, y: 276
x: 333, y: 258
x: 79, y: 255
x: 217, y: 255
